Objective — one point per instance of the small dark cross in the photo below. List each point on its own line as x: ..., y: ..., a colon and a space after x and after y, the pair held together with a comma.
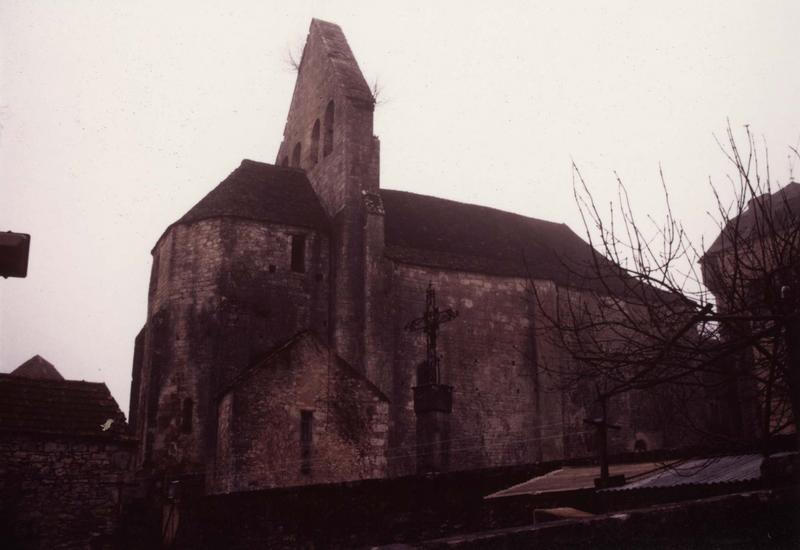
x: 602, y: 426
x: 429, y: 323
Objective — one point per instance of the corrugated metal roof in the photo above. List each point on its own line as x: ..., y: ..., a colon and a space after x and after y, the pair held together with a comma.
x: 701, y: 471
x: 574, y: 478
x: 646, y: 475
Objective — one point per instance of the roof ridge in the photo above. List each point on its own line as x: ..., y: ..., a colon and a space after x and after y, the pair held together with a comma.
x: 288, y: 343
x: 263, y: 360
x: 49, y: 380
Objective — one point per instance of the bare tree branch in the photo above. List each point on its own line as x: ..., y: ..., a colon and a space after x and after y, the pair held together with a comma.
x: 653, y: 310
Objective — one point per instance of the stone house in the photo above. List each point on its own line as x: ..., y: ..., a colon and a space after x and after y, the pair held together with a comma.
x: 65, y: 454
x: 275, y: 350
x: 753, y: 270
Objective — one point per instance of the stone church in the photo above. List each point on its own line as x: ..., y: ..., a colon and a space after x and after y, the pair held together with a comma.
x: 277, y: 348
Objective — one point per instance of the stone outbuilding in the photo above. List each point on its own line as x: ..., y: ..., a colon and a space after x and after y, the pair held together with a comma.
x: 65, y: 453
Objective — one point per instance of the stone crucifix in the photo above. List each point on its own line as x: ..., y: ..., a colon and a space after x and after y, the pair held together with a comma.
x: 429, y: 323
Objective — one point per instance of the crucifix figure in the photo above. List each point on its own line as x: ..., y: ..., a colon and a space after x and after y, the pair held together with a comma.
x: 429, y: 323
x: 433, y: 401
x: 602, y: 425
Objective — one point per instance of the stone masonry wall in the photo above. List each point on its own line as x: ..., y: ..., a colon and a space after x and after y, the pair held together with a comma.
x: 222, y: 294
x: 486, y: 355
x: 259, y: 423
x: 507, y: 409
x: 60, y: 492
x: 329, y: 76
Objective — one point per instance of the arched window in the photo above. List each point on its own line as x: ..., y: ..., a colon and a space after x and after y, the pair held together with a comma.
x: 327, y: 146
x: 296, y: 155
x: 285, y: 161
x: 315, y: 143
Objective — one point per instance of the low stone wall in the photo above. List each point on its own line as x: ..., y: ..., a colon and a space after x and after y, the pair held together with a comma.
x: 348, y: 515
x: 411, y: 509
x: 61, y: 492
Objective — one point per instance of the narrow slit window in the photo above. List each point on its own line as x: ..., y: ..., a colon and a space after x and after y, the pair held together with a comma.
x: 327, y: 146
x: 306, y: 439
x: 186, y: 417
x: 299, y: 253
x: 296, y: 156
x: 315, y: 143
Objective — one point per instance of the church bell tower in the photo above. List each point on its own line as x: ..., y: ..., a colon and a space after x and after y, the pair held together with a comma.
x: 329, y: 135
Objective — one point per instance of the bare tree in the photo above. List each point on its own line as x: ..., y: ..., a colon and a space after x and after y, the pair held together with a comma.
x: 378, y: 92
x: 655, y: 313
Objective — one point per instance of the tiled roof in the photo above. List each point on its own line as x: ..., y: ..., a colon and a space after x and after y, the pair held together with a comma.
x: 447, y: 234
x: 37, y: 367
x: 781, y: 207
x: 419, y: 229
x: 58, y: 406
x: 262, y: 192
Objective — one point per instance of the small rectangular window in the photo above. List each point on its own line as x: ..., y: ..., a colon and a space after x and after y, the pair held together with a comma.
x: 188, y: 411
x: 306, y: 438
x: 299, y: 253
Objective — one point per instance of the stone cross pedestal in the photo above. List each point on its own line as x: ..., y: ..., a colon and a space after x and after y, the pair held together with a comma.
x: 433, y: 401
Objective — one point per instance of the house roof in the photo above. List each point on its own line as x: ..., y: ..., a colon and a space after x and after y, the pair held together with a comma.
x: 779, y: 208
x: 37, y: 367
x: 69, y: 407
x: 261, y: 192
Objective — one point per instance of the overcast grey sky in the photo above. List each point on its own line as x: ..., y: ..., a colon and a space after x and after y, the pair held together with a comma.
x: 116, y: 117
